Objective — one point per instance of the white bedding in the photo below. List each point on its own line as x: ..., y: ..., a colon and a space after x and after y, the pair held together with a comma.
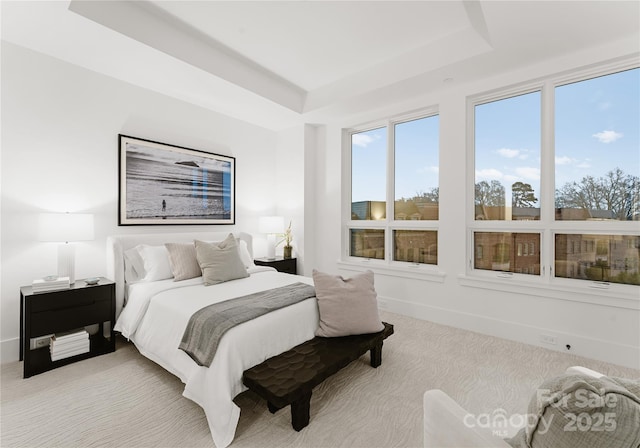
x: 157, y: 313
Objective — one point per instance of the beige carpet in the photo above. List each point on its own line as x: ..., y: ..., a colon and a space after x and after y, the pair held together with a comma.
x: 124, y: 400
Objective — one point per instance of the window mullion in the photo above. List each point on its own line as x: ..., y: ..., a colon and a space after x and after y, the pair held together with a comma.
x: 547, y: 182
x: 391, y: 182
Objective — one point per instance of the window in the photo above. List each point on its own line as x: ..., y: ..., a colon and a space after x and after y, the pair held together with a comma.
x: 368, y: 174
x: 503, y: 257
x: 415, y: 246
x: 507, y: 155
x: 507, y: 142
x: 597, y: 160
x: 367, y: 243
x: 547, y: 156
x: 394, y: 212
x: 615, y: 260
x: 416, y: 169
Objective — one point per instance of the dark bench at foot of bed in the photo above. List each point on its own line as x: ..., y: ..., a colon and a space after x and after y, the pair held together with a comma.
x: 288, y: 378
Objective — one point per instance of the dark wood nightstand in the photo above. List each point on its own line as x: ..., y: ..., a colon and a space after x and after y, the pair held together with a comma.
x: 51, y: 312
x: 288, y: 265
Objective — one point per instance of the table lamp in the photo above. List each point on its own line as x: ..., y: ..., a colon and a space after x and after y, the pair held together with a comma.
x: 65, y: 228
x: 271, y: 225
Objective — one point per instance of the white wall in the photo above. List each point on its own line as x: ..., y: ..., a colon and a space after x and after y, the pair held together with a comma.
x: 602, y: 332
x: 289, y: 173
x: 60, y: 126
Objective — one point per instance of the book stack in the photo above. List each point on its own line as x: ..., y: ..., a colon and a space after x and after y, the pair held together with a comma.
x: 50, y: 284
x: 64, y: 345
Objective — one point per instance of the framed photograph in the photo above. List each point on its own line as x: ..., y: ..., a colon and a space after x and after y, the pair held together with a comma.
x: 162, y: 184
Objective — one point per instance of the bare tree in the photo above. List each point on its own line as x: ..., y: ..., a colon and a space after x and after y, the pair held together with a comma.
x: 421, y: 197
x: 615, y: 192
x: 432, y: 196
x: 490, y: 194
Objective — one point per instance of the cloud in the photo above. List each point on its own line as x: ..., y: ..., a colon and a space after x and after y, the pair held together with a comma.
x: 584, y: 165
x: 508, y: 153
x: 362, y: 140
x: 528, y: 172
x: 521, y: 173
x: 489, y: 173
x: 511, y: 153
x: 564, y: 160
x: 607, y: 136
x: 510, y: 179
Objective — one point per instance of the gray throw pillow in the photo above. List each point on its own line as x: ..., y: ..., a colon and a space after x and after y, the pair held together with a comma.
x: 220, y: 261
x: 346, y: 306
x: 183, y: 261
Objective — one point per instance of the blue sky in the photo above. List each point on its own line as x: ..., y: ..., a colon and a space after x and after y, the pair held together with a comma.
x: 596, y: 130
x: 598, y: 127
x: 416, y: 164
x: 507, y: 142
x: 368, y: 165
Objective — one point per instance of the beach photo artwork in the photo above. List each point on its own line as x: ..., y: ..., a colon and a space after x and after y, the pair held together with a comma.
x: 167, y: 184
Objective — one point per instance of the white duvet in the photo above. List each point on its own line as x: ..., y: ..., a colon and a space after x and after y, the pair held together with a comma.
x: 157, y: 313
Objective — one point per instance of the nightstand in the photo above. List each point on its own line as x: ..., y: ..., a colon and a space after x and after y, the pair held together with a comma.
x: 288, y: 265
x: 51, y: 312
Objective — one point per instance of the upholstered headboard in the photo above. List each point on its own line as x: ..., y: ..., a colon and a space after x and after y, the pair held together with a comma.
x: 118, y: 244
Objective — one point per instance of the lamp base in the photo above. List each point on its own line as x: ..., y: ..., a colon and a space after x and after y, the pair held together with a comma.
x: 67, y: 262
x: 271, y: 246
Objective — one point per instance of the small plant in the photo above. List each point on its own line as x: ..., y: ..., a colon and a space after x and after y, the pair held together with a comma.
x: 287, y: 237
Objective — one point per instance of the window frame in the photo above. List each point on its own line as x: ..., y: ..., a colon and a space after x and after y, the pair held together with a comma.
x: 547, y: 225
x: 389, y: 224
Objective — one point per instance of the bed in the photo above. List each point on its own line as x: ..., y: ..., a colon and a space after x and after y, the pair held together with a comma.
x: 154, y: 314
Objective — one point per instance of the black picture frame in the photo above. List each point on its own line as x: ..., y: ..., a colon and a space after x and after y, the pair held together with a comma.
x: 163, y: 184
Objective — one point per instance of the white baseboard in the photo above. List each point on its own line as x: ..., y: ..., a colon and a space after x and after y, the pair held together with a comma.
x: 620, y: 354
x: 9, y: 350
x: 624, y: 355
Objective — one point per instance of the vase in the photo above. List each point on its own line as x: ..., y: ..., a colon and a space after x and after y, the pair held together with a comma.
x: 287, y: 251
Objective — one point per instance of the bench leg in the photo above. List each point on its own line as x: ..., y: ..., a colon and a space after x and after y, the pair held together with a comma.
x: 272, y: 407
x: 376, y: 355
x: 300, y: 412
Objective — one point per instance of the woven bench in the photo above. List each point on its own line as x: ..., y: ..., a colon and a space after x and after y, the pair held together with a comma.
x: 288, y: 378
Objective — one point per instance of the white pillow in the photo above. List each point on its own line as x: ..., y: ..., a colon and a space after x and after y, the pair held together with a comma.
x: 133, y: 265
x: 156, y: 263
x: 244, y: 255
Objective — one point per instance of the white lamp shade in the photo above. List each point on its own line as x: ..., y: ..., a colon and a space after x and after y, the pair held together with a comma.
x: 65, y: 227
x: 271, y: 224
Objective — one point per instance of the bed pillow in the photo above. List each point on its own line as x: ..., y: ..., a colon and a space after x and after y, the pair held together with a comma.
x: 346, y: 306
x: 133, y: 265
x: 220, y: 262
x: 582, y: 411
x: 183, y: 261
x: 156, y: 263
x: 245, y: 256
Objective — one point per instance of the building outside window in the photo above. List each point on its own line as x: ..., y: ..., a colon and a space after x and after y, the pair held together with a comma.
x: 615, y: 260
